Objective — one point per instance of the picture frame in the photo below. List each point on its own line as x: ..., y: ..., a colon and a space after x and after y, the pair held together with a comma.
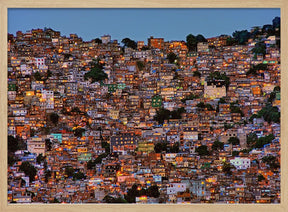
x: 5, y: 4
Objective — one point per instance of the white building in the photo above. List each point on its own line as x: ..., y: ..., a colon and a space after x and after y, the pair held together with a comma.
x: 169, y: 105
x: 19, y: 112
x: 214, y: 91
x: 106, y: 39
x: 36, y: 145
x: 241, y: 163
x: 39, y: 61
x: 174, y: 188
x: 47, y: 99
x: 25, y: 70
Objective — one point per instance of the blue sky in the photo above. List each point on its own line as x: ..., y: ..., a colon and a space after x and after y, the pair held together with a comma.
x: 139, y: 24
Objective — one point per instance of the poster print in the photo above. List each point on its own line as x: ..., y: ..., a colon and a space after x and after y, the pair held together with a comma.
x: 162, y: 121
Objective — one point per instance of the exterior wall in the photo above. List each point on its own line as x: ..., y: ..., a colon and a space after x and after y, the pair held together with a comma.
x: 36, y: 145
x: 176, y: 187
x: 214, y: 92
x: 241, y: 163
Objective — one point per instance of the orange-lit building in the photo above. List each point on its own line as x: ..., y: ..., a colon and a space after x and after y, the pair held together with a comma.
x: 156, y: 43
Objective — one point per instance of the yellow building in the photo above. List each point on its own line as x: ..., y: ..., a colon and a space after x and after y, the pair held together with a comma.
x: 146, y: 146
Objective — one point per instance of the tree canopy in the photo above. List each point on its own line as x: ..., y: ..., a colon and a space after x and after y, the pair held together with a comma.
x: 54, y: 117
x: 217, y: 145
x: 164, y: 114
x: 207, y: 106
x: 192, y: 41
x: 12, y: 144
x: 110, y: 199
x: 259, y: 49
x: 129, y: 43
x: 28, y: 169
x: 96, y: 74
x: 164, y: 146
x: 202, y: 150
x: 136, y: 191
x: 98, y: 40
x: 241, y: 37
x: 171, y: 57
x: 226, y: 168
x: 270, y: 114
x: 271, y: 161
x: 78, y: 132
x: 255, y: 69
x: 234, y: 140
x: 216, y: 76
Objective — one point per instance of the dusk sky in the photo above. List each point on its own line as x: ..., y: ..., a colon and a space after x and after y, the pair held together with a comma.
x: 140, y: 24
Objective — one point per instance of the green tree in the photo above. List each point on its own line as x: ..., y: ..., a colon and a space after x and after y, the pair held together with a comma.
x: 48, y: 144
x: 37, y: 76
x: 227, y: 126
x: 234, y: 141
x: 106, y: 146
x: 129, y: 43
x: 47, y: 175
x: 276, y: 22
x: 262, y: 141
x: 231, y: 41
x: 153, y: 191
x: 176, y: 114
x: 11, y: 160
x: 226, y: 168
x: 270, y: 114
x: 78, y: 132
x: 140, y: 65
x: 202, y: 105
x: 98, y: 40
x: 191, y: 42
x: 69, y: 171
x: 91, y: 164
x: 54, y: 117
x: 132, y: 193
x: 217, y: 145
x: 260, y: 177
x: 171, y: 57
x: 78, y: 176
x: 40, y: 158
x: 161, y: 146
x: 254, y: 69
x: 271, y: 161
x: 202, y: 150
x: 100, y: 157
x: 96, y: 74
x: 259, y: 49
x: 190, y: 97
x: 175, y: 148
x: 241, y: 37
x: 12, y: 144
x: 251, y: 139
x: 222, y: 101
x: 110, y: 199
x: 29, y: 170
x: 200, y: 38
x: 161, y: 115
x: 196, y: 74
x: 272, y: 95
x: 49, y: 74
